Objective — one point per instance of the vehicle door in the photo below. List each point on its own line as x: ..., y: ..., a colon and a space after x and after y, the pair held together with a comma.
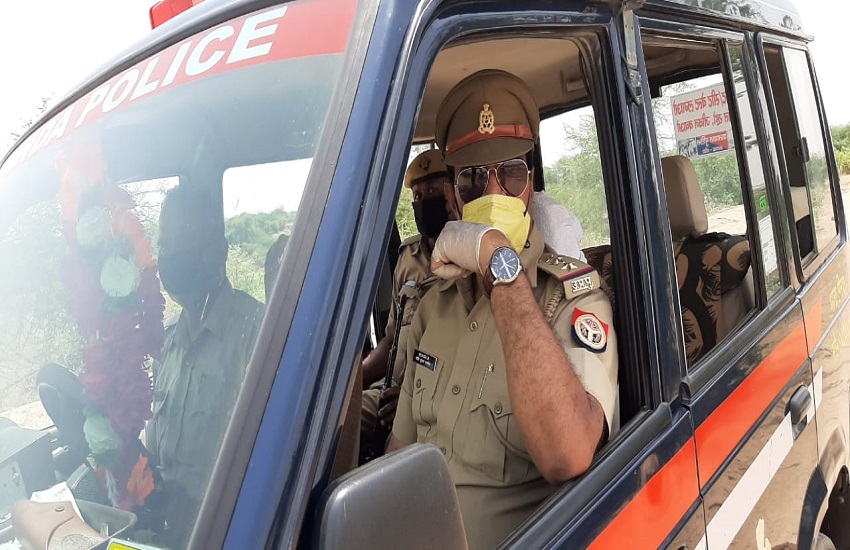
x: 819, y: 261
x: 642, y: 490
x: 749, y: 381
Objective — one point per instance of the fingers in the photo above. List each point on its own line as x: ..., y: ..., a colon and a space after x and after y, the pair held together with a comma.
x: 458, y: 245
x: 386, y: 414
x: 449, y: 271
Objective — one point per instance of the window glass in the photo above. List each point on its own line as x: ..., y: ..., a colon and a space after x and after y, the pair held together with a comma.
x: 812, y: 147
x: 803, y: 147
x: 765, y: 211
x: 704, y: 185
x: 692, y: 120
x: 138, y: 230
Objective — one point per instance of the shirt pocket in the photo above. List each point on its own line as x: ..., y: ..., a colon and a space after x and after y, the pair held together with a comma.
x: 424, y: 394
x: 207, y: 414
x: 159, y: 398
x: 494, y: 445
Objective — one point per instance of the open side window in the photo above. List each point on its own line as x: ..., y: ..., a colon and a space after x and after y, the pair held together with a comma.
x: 568, y: 67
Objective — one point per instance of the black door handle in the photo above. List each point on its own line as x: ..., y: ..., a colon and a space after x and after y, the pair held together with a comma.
x: 799, y: 405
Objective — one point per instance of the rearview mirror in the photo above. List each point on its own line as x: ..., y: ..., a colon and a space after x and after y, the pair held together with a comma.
x: 402, y: 500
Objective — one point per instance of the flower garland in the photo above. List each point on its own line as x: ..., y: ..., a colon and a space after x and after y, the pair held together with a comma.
x: 114, y: 295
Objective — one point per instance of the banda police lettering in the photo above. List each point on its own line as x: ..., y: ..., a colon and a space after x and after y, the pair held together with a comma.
x: 224, y: 45
x: 242, y: 42
x: 274, y: 34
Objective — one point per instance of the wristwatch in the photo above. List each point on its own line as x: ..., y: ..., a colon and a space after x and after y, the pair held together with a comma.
x: 504, y: 269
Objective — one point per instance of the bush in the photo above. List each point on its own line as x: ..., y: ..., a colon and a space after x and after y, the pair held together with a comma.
x: 841, y: 137
x: 719, y: 179
x: 843, y: 159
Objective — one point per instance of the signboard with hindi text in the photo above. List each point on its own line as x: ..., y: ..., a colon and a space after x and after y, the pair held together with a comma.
x: 701, y: 121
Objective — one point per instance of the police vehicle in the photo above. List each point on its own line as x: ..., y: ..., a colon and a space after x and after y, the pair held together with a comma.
x: 705, y: 180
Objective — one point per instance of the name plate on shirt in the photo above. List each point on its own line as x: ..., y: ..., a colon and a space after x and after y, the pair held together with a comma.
x: 424, y: 360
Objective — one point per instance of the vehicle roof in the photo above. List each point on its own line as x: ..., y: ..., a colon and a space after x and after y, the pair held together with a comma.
x: 780, y: 15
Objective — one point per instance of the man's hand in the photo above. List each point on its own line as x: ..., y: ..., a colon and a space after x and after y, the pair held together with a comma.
x: 375, y: 364
x: 388, y: 403
x: 465, y: 247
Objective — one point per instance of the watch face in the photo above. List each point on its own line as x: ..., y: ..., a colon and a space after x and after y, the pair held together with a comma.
x: 505, y: 264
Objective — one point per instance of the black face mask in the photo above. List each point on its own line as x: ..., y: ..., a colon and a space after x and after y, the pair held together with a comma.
x: 431, y: 216
x: 183, y: 273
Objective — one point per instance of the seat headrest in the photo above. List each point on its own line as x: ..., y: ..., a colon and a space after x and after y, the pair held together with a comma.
x: 685, y: 202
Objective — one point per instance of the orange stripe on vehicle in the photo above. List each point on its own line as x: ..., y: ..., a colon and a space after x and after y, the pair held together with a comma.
x: 721, y: 432
x: 649, y: 517
x: 814, y: 325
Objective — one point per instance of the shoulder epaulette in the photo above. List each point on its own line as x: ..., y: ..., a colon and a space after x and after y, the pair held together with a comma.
x: 578, y: 277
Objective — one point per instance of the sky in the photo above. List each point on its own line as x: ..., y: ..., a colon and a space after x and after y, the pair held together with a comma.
x: 51, y: 45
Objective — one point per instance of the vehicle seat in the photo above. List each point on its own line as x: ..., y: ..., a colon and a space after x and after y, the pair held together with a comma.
x: 712, y: 269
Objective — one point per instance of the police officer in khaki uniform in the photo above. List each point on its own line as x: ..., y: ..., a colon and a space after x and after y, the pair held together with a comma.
x: 204, y: 356
x: 428, y: 180
x: 511, y: 360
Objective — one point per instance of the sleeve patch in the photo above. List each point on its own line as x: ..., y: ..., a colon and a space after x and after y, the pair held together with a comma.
x: 589, y: 332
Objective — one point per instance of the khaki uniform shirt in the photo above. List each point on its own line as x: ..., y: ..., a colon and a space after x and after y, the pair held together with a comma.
x: 195, y: 387
x: 414, y: 264
x: 455, y: 393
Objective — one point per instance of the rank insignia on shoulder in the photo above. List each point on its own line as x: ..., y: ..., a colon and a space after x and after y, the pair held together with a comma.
x: 589, y: 332
x: 424, y: 360
x: 578, y: 277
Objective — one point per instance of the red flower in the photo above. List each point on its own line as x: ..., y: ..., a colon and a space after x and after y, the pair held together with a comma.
x: 130, y: 405
x: 121, y: 333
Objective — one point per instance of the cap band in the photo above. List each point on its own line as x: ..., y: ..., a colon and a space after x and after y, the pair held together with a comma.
x: 500, y: 130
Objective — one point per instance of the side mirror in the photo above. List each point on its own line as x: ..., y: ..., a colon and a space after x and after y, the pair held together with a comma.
x: 402, y: 500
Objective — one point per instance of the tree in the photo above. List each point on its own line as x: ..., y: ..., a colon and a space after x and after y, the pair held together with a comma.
x: 841, y: 142
x: 250, y: 236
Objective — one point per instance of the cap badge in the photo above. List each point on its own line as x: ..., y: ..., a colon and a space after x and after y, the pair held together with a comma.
x: 486, y: 120
x: 424, y: 164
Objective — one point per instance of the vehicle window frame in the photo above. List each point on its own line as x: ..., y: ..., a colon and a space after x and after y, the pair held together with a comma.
x: 725, y: 351
x: 409, y: 82
x: 806, y: 268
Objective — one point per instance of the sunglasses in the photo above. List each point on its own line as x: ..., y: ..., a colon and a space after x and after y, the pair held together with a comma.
x: 512, y: 176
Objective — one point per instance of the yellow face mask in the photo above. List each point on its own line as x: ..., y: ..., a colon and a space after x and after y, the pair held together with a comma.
x: 508, y: 214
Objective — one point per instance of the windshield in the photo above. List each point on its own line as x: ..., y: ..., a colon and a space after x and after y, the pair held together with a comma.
x: 141, y: 229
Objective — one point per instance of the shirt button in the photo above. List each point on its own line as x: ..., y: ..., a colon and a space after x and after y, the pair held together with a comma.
x: 418, y: 382
x: 455, y: 389
x: 498, y: 408
x: 473, y: 326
